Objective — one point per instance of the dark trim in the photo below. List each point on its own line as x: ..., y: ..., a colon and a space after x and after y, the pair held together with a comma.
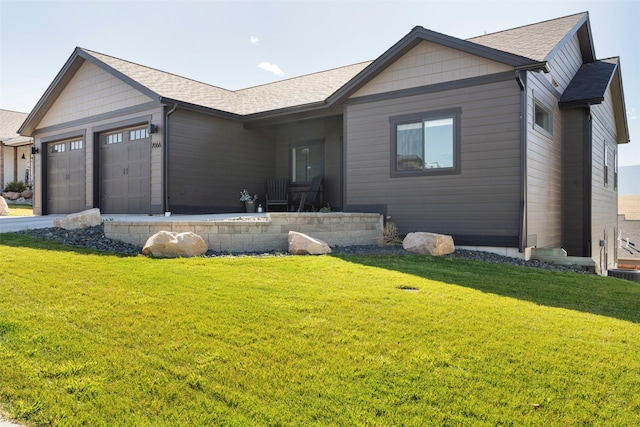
x: 64, y: 136
x: 412, y: 39
x: 202, y: 109
x: 521, y: 78
x: 486, y: 240
x: 96, y: 169
x: 587, y: 178
x: 394, y: 121
x: 568, y: 37
x: 122, y: 124
x: 100, y: 117
x: 438, y: 87
x: 547, y: 84
x: 253, y: 121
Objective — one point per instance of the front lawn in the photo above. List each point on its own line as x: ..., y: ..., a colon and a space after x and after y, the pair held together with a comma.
x: 93, y: 339
x: 17, y: 209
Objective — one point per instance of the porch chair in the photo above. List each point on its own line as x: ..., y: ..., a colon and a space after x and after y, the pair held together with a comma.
x: 313, y: 198
x: 277, y: 194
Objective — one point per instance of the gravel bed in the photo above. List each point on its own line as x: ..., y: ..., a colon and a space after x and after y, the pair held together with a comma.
x: 94, y: 238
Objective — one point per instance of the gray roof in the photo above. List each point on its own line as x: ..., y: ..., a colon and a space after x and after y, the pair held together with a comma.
x: 590, y: 83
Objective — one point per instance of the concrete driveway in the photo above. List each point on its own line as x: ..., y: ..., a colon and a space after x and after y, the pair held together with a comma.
x: 16, y: 223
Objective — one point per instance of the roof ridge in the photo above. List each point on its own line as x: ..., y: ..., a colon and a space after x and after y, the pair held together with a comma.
x: 527, y: 25
x: 89, y: 51
x: 303, y: 75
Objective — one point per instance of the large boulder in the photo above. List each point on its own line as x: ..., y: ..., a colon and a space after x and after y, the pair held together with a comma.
x: 301, y: 244
x: 11, y: 195
x: 170, y: 244
x: 4, y: 208
x: 84, y: 219
x: 428, y: 243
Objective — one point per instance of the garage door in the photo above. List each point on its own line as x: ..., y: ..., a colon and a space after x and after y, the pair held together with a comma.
x: 66, y: 175
x: 125, y: 169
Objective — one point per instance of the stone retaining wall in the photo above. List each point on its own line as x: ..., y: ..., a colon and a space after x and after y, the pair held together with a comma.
x: 257, y: 234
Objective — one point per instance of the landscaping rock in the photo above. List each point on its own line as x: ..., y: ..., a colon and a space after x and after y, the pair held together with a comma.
x: 84, y: 219
x: 4, y: 208
x: 301, y: 244
x: 27, y: 194
x: 10, y: 195
x: 169, y: 244
x: 428, y: 243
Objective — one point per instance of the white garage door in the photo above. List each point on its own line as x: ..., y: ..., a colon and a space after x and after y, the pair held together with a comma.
x: 66, y: 175
x: 125, y: 169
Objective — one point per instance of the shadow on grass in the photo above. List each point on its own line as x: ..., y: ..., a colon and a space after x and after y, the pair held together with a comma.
x: 19, y: 240
x: 604, y: 296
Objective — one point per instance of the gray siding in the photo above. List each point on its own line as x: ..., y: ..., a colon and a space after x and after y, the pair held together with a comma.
x: 565, y: 63
x: 604, y: 205
x: 212, y: 159
x: 483, y: 200
x: 327, y: 129
x: 575, y: 238
x: 544, y: 170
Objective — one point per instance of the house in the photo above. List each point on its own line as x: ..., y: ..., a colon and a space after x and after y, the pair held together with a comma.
x: 505, y: 141
x: 15, y: 150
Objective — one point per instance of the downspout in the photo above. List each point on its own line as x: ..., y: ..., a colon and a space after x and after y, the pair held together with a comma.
x: 521, y: 78
x: 166, y: 157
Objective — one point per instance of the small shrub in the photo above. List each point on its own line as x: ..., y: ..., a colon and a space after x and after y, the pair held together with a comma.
x: 326, y: 209
x: 15, y: 187
x: 390, y: 234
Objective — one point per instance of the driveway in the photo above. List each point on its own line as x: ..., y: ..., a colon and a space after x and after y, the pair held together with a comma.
x: 16, y: 223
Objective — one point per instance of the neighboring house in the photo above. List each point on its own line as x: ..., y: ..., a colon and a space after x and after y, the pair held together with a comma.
x: 505, y: 140
x: 15, y: 150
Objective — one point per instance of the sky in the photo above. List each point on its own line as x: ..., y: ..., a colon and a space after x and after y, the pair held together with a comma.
x: 239, y: 44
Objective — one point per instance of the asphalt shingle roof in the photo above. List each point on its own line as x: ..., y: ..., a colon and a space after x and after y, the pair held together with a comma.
x: 535, y: 41
x: 10, y: 122
x: 590, y: 82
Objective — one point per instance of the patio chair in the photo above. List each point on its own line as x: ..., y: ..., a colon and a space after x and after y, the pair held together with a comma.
x: 277, y: 194
x: 312, y: 199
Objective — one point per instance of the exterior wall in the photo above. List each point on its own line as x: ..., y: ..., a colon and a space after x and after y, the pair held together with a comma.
x: 604, y: 201
x: 565, y: 64
x: 479, y: 206
x: 575, y: 184
x: 544, y: 169
x: 14, y: 166
x: 92, y: 91
x: 89, y: 128
x: 430, y: 63
x: 212, y: 159
x: 258, y: 234
x: 328, y: 129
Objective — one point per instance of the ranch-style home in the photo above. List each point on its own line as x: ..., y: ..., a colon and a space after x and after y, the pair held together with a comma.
x: 15, y: 150
x: 504, y: 140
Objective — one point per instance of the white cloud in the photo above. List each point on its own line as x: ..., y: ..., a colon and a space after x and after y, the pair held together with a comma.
x: 272, y: 68
x: 254, y: 40
x: 632, y: 114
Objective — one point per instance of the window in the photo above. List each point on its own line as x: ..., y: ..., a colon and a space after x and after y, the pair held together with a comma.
x: 307, y: 161
x: 606, y: 164
x: 615, y: 170
x: 426, y: 143
x: 114, y: 138
x: 138, y: 134
x: 58, y: 148
x: 75, y: 145
x: 543, y: 117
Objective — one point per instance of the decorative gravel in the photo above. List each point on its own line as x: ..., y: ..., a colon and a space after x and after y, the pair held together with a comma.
x: 94, y: 238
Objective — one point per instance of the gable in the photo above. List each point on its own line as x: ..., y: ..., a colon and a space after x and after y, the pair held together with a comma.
x: 91, y: 91
x: 430, y: 63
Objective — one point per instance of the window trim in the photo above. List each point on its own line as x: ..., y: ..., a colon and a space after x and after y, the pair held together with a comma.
x: 319, y: 142
x: 394, y: 121
x: 537, y: 103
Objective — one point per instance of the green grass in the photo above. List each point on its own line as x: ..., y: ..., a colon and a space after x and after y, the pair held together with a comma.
x: 94, y: 339
x: 16, y: 209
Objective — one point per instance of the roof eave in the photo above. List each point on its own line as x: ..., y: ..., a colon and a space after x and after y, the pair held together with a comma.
x: 413, y: 38
x: 202, y: 109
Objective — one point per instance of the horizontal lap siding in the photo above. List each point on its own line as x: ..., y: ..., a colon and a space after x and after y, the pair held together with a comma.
x: 604, y: 205
x: 482, y: 200
x: 544, y: 170
x: 212, y: 159
x: 565, y: 64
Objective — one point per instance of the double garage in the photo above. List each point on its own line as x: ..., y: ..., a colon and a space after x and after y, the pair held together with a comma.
x: 122, y: 161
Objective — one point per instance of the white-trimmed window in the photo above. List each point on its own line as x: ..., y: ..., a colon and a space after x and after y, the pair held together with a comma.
x: 426, y: 143
x: 543, y: 117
